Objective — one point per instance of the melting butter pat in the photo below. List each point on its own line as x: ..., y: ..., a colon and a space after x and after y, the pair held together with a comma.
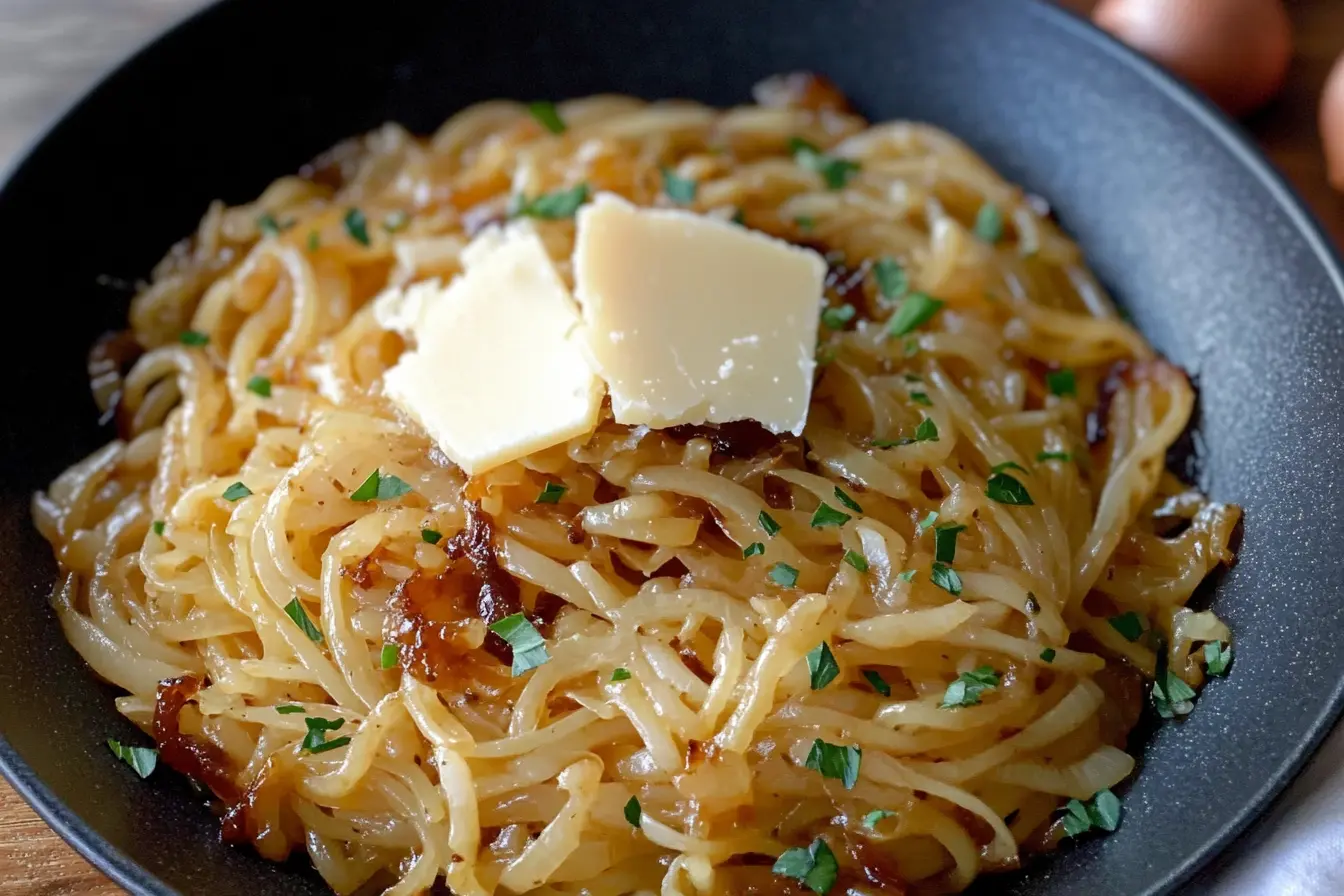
x: 494, y: 374
x: 694, y: 320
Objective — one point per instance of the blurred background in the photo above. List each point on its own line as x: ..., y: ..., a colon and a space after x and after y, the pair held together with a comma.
x: 1267, y: 62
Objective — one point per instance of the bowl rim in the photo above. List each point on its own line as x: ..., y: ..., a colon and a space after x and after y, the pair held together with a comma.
x: 1202, y: 113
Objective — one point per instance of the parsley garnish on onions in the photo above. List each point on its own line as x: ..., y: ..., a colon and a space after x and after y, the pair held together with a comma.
x: 969, y: 687
x: 680, y: 190
x: 835, y: 761
x: 833, y: 169
x: 547, y: 116
x: 141, y: 759
x: 529, y: 648
x: 821, y: 666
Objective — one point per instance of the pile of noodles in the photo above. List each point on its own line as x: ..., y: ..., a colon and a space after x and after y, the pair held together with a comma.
x: 456, y: 769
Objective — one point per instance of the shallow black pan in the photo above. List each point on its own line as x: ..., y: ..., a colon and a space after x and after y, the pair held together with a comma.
x: 1201, y: 242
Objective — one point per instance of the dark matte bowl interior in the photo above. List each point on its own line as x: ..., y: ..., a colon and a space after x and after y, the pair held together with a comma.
x: 1180, y: 217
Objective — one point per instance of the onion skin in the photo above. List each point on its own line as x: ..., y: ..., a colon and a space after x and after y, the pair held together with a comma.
x: 1236, y: 51
x: 1332, y: 125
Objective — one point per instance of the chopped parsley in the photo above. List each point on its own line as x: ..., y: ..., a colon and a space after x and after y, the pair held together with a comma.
x: 907, y: 576
x: 833, y: 169
x: 921, y: 398
x: 1102, y: 812
x: 784, y: 575
x: 969, y: 687
x: 289, y: 709
x: 1171, y: 695
x: 141, y: 759
x: 633, y: 813
x: 945, y: 541
x: 357, y: 226
x: 915, y: 310
x: 815, y: 866
x: 1217, y: 656
x: 826, y: 515
x: 1061, y: 382
x: 927, y: 431
x: 989, y: 223
x: 872, y: 818
x: 925, y: 523
x: 945, y: 578
x: 836, y: 317
x: 768, y: 524
x: 157, y: 526
x: 1006, y: 490
x: 1043, y: 456
x: 295, y: 611
x: 753, y: 549
x: 314, y: 240
x: 835, y: 761
x: 269, y: 226
x: 192, y: 337
x: 260, y: 385
x: 387, y: 658
x: 430, y: 536
x: 821, y: 666
x: 878, y: 682
x: 680, y: 190
x: 620, y: 673
x: 1007, y: 465
x: 892, y: 283
x: 383, y: 488
x: 847, y: 500
x: 805, y: 222
x: 856, y: 560
x: 315, y: 741
x: 1128, y: 624
x: 329, y: 745
x: 529, y: 648
x: 236, y: 492
x: 547, y: 116
x: 551, y: 493
x: 554, y: 206
x: 1048, y: 655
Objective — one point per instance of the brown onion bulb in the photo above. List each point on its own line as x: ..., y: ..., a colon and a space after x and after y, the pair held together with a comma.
x: 1235, y: 51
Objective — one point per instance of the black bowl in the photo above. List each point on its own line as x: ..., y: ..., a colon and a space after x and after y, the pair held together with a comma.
x: 1217, y: 262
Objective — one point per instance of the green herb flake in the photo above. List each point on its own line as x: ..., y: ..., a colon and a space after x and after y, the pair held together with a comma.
x: 1217, y: 657
x: 805, y: 222
x: 316, y: 738
x: 821, y: 666
x: 380, y: 487
x: 1006, y: 490
x: 547, y: 116
x: 1007, y: 465
x: 330, y: 745
x: 551, y: 493
x: 555, y: 206
x: 387, y: 658
x: 826, y: 515
x: 815, y: 866
x: 141, y: 759
x: 768, y: 524
x: 1048, y: 655
x: 529, y: 648
x: 833, y: 169
x: 1128, y: 624
x: 193, y: 337
x: 269, y: 226
x: 680, y: 190
x: 1061, y: 382
x: 925, y: 523
x: 969, y: 687
x: 892, y: 282
x: 927, y: 431
x: 836, y: 317
x: 1102, y: 812
x: 314, y: 240
x: 784, y: 575
x: 1062, y: 456
x: 295, y: 611
x: 260, y: 385
x: 856, y: 560
x: 290, y: 709
x: 878, y: 682
x: 945, y: 578
x: 989, y: 223
x: 872, y: 818
x: 620, y: 673
x: 921, y: 398
x: 430, y: 536
x: 1172, y: 696
x: 907, y: 576
x: 158, y: 526
x: 915, y: 310
x: 236, y: 492
x: 945, y: 541
x: 835, y: 761
x: 633, y: 813
x: 357, y: 226
x: 846, y: 500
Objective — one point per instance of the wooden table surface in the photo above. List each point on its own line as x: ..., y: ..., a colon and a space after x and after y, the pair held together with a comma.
x: 51, y: 50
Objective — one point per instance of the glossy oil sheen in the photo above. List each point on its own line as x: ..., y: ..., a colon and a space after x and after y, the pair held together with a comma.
x: 1218, y: 264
